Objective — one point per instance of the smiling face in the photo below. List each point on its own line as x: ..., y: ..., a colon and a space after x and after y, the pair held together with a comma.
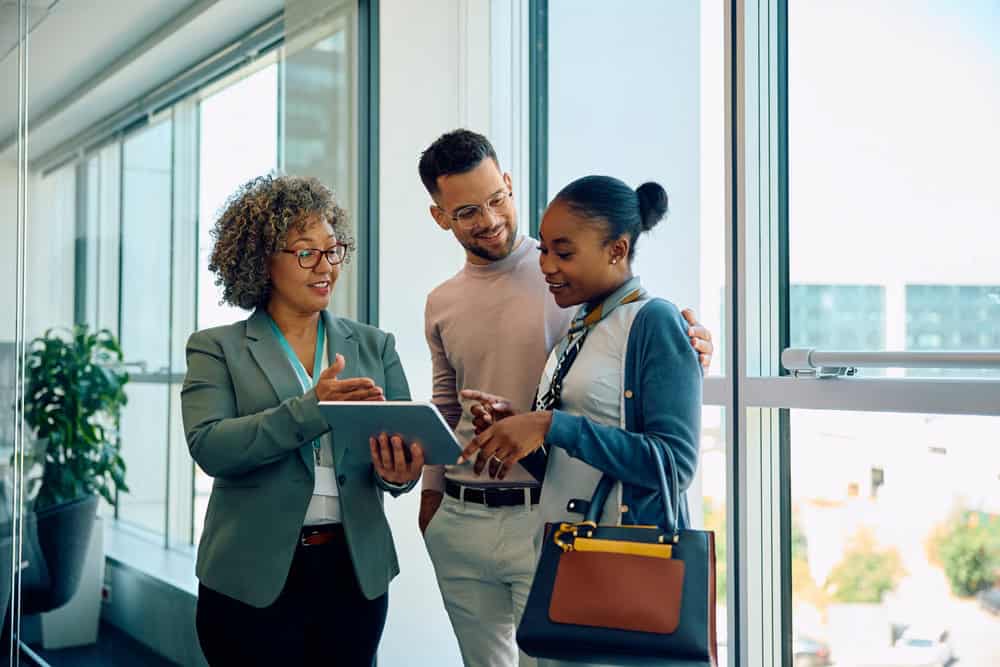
x: 488, y: 235
x: 579, y: 263
x: 300, y: 290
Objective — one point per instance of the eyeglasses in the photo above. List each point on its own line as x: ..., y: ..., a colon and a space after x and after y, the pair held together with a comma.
x: 309, y: 257
x: 467, y: 215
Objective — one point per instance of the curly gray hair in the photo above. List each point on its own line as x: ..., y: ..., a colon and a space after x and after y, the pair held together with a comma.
x: 254, y: 225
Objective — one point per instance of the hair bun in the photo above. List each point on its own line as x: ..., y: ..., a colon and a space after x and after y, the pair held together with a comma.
x: 652, y: 204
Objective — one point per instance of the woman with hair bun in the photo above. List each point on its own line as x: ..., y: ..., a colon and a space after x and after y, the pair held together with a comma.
x: 623, y: 382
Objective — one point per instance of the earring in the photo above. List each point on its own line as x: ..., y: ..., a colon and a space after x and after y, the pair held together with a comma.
x: 614, y: 260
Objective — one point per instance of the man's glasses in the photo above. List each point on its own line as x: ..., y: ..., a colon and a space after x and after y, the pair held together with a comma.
x: 309, y: 257
x: 467, y: 215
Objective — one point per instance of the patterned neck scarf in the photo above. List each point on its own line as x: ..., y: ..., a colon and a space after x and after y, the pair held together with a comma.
x: 569, y: 347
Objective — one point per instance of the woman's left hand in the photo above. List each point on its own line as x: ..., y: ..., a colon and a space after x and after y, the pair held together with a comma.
x: 507, y: 442
x: 391, y: 462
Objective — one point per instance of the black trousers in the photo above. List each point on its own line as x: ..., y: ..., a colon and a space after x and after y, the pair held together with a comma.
x: 320, y: 618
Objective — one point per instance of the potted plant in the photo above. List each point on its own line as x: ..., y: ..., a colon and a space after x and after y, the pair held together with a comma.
x: 74, y: 394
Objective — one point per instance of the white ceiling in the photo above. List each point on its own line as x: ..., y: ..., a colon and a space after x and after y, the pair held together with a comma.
x: 37, y: 11
x: 89, y: 58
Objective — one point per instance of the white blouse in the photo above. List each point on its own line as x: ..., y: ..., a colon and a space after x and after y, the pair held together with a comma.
x: 592, y: 388
x: 324, y: 508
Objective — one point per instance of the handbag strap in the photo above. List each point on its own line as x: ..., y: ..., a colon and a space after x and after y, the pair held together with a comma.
x: 670, y: 495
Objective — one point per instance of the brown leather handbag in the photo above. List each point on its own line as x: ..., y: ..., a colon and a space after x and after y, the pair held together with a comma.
x: 624, y: 595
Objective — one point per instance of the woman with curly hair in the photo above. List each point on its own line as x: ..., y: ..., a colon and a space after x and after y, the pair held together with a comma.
x: 296, y: 555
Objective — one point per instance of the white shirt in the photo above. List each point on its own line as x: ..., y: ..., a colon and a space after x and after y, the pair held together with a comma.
x: 592, y: 388
x: 324, y: 508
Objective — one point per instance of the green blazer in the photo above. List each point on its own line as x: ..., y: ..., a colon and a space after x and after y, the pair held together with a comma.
x: 249, y: 426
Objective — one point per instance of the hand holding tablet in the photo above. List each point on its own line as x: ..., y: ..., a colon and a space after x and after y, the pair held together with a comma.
x: 396, y: 461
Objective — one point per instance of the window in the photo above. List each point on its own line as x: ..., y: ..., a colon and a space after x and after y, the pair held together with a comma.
x: 892, y: 146
x: 238, y: 141
x: 98, y: 220
x: 648, y: 104
x: 952, y: 317
x: 895, y: 527
x: 320, y: 130
x: 708, y: 506
x: 146, y: 222
x: 148, y: 242
x: 855, y: 491
x: 227, y: 160
x: 838, y: 317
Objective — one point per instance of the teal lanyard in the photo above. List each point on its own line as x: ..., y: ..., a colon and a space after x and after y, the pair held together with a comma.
x: 293, y: 359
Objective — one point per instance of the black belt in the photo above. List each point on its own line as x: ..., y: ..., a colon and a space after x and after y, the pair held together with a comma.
x: 491, y: 497
x: 312, y: 536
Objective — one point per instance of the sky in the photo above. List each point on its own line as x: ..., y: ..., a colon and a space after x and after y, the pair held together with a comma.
x: 893, y: 140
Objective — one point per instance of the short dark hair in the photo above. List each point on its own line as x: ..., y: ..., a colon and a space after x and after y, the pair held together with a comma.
x: 620, y: 209
x: 456, y: 152
x: 253, y: 226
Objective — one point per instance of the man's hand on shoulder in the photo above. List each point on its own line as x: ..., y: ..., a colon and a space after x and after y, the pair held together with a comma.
x: 701, y: 338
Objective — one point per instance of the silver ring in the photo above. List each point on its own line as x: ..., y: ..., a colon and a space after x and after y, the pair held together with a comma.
x: 494, y: 457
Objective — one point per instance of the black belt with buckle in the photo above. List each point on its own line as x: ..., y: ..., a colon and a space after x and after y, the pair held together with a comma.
x: 490, y: 496
x: 313, y: 536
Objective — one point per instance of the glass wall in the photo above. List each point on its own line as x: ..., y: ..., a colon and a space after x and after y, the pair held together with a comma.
x: 13, y: 173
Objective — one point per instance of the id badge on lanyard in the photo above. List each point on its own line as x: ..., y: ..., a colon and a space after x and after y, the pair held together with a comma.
x: 326, y: 477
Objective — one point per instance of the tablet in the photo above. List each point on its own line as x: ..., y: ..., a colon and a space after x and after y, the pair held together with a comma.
x: 415, y: 421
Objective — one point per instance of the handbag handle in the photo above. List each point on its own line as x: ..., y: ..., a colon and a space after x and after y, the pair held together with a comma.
x: 669, y: 494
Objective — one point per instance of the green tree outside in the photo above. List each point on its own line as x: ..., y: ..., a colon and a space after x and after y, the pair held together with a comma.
x: 968, y: 549
x: 866, y: 572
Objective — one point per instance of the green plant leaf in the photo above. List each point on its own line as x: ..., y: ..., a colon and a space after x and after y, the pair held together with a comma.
x: 74, y: 396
